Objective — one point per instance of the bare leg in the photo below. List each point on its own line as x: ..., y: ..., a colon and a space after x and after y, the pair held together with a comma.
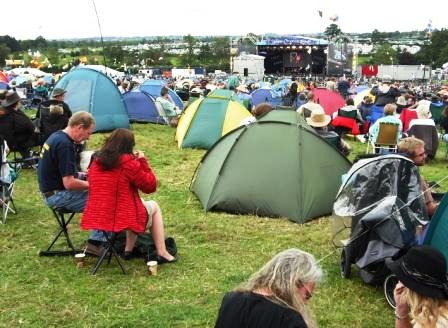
x: 157, y: 231
x: 131, y: 238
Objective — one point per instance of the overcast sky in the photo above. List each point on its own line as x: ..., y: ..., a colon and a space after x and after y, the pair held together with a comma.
x: 52, y: 19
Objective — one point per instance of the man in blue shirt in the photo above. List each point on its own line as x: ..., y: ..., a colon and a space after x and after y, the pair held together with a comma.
x: 60, y: 183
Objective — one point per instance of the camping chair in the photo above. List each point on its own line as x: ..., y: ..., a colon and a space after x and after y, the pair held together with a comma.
x: 63, y: 223
x: 7, y: 183
x: 387, y: 138
x: 427, y: 133
x: 109, y: 250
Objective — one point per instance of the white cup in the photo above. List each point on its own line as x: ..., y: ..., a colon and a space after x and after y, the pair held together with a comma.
x: 79, y: 259
x: 152, y: 268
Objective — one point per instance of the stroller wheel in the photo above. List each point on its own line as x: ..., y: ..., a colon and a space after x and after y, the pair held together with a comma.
x: 346, y: 267
x: 389, y: 285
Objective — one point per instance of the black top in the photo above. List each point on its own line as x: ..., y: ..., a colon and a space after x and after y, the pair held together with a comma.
x: 58, y: 160
x: 250, y: 310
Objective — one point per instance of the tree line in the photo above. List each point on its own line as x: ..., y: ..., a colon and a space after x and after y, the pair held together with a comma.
x: 209, y: 52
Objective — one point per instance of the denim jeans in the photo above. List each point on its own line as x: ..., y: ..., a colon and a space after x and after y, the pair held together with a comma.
x: 72, y: 201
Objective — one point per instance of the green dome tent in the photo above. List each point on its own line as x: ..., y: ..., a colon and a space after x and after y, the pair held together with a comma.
x: 276, y: 167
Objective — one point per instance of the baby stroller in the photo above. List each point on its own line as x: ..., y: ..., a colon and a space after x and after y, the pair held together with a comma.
x: 378, y: 210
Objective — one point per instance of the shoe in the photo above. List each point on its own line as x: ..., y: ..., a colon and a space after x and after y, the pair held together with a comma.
x: 162, y: 260
x: 95, y: 250
x: 127, y: 256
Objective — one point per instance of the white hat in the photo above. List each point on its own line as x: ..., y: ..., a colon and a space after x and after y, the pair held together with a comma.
x: 318, y: 118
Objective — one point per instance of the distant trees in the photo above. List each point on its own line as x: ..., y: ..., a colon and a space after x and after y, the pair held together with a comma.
x: 332, y: 31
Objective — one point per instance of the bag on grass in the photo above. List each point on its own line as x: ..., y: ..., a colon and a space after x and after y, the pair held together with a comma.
x: 144, y: 246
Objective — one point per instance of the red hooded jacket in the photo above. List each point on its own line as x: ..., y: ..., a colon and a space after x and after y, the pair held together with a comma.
x: 114, y: 203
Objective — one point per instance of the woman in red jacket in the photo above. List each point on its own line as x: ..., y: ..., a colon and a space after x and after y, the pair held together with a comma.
x: 115, y: 177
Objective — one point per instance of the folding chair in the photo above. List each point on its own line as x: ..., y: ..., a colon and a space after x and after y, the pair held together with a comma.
x: 109, y: 250
x: 63, y: 223
x: 8, y: 177
x: 387, y: 138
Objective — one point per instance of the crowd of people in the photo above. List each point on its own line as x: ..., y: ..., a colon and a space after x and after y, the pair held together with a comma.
x: 108, y: 194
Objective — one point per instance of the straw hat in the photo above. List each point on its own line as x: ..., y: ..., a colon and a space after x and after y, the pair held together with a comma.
x: 318, y: 118
x: 242, y: 88
x: 401, y: 101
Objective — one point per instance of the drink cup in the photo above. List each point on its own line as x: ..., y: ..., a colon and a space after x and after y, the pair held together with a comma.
x: 152, y: 268
x: 79, y: 259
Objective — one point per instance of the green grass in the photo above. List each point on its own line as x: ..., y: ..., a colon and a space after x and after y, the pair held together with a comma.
x: 217, y: 252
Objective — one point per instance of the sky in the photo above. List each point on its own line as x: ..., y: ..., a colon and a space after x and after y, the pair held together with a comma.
x: 67, y: 19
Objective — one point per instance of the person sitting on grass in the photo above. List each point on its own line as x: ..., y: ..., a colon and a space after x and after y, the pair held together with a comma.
x: 115, y: 177
x: 275, y: 296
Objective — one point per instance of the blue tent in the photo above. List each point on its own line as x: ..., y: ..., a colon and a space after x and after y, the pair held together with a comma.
x: 153, y: 87
x: 142, y: 107
x: 97, y: 94
x: 3, y: 85
x: 265, y: 95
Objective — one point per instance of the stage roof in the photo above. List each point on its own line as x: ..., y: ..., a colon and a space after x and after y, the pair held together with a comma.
x: 292, y: 40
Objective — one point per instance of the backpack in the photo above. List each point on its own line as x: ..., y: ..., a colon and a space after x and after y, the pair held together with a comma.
x: 144, y: 246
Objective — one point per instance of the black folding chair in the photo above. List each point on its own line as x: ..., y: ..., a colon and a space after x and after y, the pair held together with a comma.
x: 109, y: 250
x: 63, y: 223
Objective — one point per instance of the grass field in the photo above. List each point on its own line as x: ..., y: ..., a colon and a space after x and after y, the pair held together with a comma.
x: 217, y: 252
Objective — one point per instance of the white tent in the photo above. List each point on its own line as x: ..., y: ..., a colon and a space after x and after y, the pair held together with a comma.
x: 32, y: 71
x: 252, y: 65
x: 106, y: 70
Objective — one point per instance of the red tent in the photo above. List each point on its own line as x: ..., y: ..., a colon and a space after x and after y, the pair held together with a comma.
x: 331, y: 101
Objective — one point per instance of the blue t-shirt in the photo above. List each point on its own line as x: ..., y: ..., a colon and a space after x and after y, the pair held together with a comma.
x: 57, y: 160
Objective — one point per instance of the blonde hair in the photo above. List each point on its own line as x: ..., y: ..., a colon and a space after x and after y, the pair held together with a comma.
x: 281, y: 277
x: 81, y: 118
x: 390, y: 109
x: 409, y: 145
x: 425, y: 311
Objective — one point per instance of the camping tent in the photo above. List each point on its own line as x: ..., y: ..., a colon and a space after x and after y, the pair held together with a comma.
x: 94, y: 92
x: 153, y: 87
x: 142, y: 107
x: 223, y: 94
x: 265, y: 95
x: 206, y: 120
x: 276, y: 167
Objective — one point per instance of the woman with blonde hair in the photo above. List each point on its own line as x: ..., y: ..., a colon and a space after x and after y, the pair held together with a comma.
x: 275, y: 296
x: 421, y: 295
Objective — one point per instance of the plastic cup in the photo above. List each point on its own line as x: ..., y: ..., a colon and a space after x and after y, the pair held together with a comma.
x: 152, y: 268
x: 79, y: 259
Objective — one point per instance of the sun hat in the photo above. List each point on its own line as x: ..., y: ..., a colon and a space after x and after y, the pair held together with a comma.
x: 401, y: 101
x: 318, y: 118
x: 423, y: 270
x: 386, y: 79
x: 11, y: 98
x: 242, y: 88
x: 58, y: 92
x: 423, y: 109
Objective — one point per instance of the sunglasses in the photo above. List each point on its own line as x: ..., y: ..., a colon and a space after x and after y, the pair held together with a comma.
x: 308, y: 293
